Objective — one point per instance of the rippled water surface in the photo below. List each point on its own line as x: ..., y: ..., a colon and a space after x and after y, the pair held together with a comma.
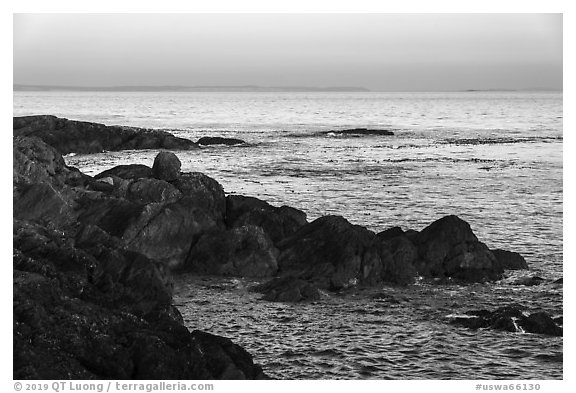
x: 493, y: 159
x: 380, y: 333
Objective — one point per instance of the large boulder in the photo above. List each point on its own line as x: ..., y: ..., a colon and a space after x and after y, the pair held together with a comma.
x: 166, y: 166
x: 243, y: 251
x: 449, y: 248
x: 277, y: 222
x: 331, y: 253
x: 70, y: 136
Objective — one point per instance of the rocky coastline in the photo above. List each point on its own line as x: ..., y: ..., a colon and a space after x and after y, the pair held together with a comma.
x: 94, y: 256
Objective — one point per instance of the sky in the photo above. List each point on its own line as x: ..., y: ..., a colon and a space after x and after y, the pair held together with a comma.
x: 381, y: 52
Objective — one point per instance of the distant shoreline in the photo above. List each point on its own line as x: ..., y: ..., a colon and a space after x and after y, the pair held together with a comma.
x: 245, y: 88
x: 255, y: 89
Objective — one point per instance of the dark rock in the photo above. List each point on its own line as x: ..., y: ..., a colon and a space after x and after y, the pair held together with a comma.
x: 510, y: 260
x: 166, y: 232
x: 449, y: 248
x: 152, y: 191
x: 559, y: 281
x: 243, y: 251
x: 398, y: 256
x: 288, y: 289
x: 43, y: 203
x: 166, y: 166
x: 129, y: 172
x: 277, y: 222
x: 541, y: 323
x: 204, y: 192
x: 511, y: 319
x: 85, y: 306
x: 158, y: 219
x: 69, y: 136
x: 390, y: 233
x: 359, y: 132
x: 385, y: 297
x: 331, y: 253
x: 113, y: 215
x: 33, y: 161
x: 216, y: 140
x: 529, y: 281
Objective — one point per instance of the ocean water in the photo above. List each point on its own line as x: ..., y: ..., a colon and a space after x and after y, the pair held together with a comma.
x: 492, y: 158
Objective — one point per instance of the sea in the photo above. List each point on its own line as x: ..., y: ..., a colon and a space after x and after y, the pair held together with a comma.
x: 495, y: 159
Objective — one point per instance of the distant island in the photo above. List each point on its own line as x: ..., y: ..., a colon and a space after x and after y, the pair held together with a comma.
x: 244, y: 88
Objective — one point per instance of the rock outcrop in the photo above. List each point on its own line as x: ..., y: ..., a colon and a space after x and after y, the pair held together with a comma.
x: 92, y: 289
x: 70, y: 136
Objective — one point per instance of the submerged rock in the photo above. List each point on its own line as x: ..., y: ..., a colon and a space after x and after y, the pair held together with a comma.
x: 511, y: 319
x: 288, y: 289
x: 529, y: 281
x: 70, y: 136
x: 217, y: 140
x: 359, y: 132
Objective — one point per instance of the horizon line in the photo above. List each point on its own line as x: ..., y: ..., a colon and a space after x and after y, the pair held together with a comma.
x: 253, y: 88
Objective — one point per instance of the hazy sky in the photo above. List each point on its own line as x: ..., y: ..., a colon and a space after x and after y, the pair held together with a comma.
x: 396, y: 52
